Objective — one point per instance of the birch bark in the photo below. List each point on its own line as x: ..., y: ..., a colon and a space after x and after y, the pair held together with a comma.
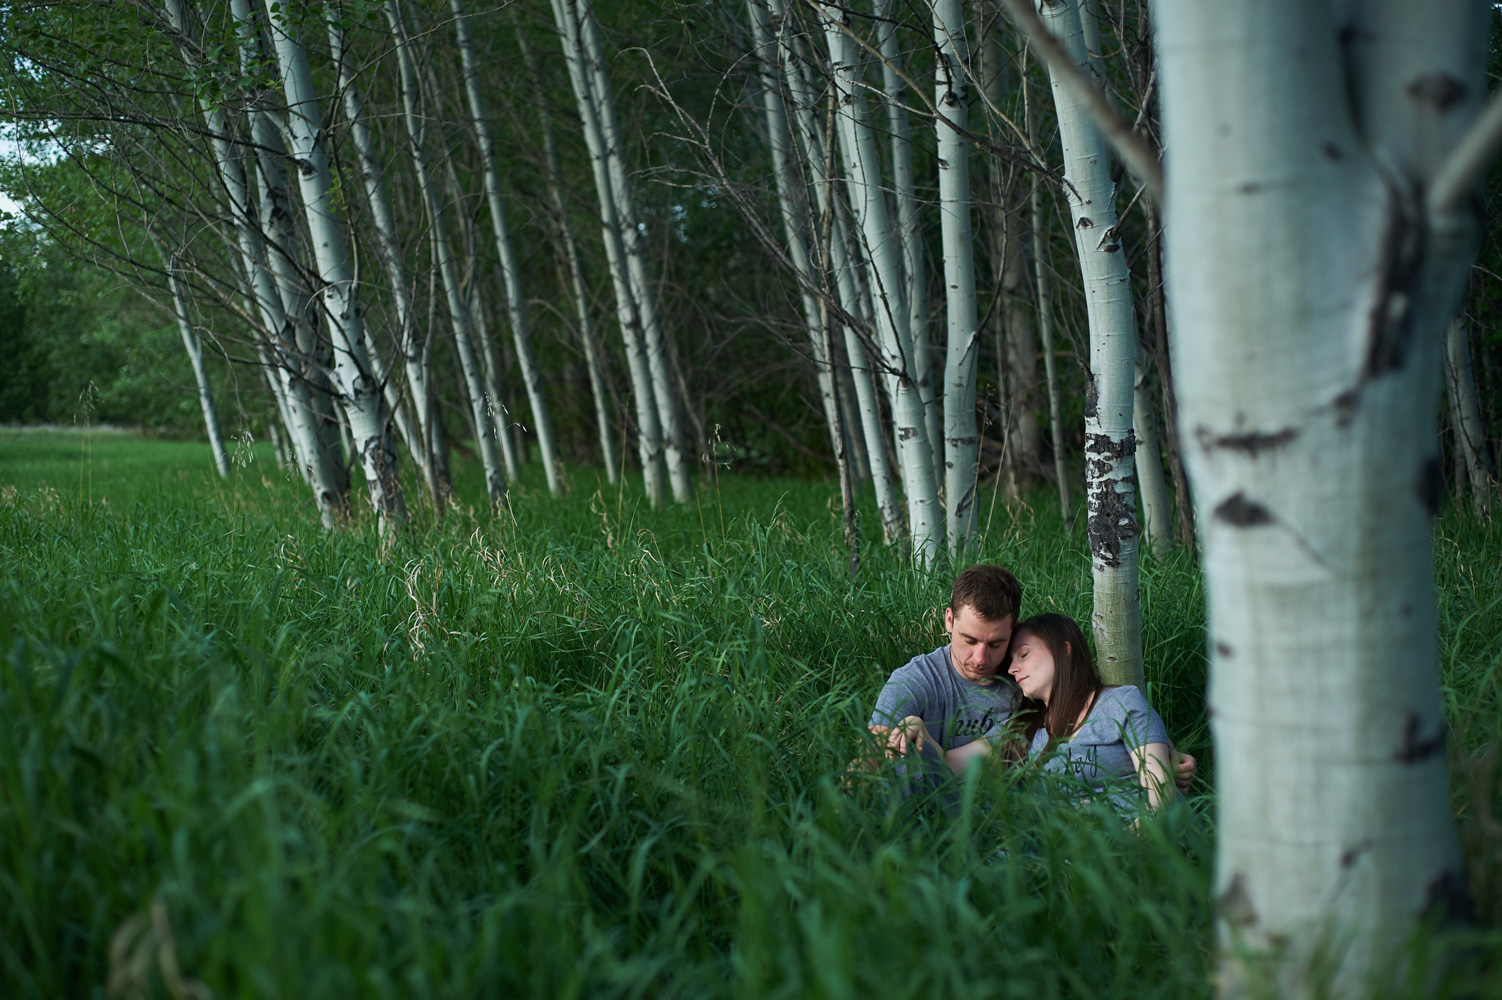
x: 649, y: 428
x: 1312, y: 264
x: 863, y: 180
x: 909, y: 226
x: 200, y: 370
x: 261, y: 288
x: 817, y: 156
x: 516, y: 302
x: 961, y: 435
x: 1110, y: 444
x: 415, y: 359
x: 353, y: 376
x: 593, y: 361
x: 669, y: 413
x: 459, y: 313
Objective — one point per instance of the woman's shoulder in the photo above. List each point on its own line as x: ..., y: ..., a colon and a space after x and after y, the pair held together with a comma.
x: 1121, y: 697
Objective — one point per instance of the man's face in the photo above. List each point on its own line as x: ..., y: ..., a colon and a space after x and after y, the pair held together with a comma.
x: 977, y: 645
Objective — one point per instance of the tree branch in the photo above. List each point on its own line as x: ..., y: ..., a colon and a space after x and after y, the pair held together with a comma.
x: 1467, y: 161
x: 1134, y: 152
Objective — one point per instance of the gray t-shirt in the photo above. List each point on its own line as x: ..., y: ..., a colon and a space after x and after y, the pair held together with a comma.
x: 955, y: 710
x: 1119, y: 722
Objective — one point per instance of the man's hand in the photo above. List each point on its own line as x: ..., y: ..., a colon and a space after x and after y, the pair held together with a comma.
x: 1184, y: 770
x: 909, y: 734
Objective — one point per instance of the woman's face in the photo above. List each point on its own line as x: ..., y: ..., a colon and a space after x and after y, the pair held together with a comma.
x: 1032, y: 666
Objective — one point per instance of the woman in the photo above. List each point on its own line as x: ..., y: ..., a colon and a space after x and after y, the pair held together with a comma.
x: 1087, y: 730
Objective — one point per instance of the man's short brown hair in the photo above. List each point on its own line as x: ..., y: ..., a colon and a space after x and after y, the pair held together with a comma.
x: 992, y: 591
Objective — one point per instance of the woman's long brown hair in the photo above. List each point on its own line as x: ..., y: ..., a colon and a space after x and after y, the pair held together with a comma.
x: 1075, y: 682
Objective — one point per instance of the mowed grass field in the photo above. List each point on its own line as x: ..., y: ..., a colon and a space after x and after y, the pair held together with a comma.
x: 576, y: 748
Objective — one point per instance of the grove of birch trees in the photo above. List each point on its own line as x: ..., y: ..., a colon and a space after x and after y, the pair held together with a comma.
x: 1201, y: 278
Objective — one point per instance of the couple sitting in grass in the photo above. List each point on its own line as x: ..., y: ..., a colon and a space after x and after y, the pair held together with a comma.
x: 957, y: 704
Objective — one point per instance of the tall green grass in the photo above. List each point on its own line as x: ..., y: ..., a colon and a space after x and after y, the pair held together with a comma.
x: 579, y: 748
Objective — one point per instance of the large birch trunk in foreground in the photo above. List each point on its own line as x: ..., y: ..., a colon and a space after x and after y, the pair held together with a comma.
x: 1313, y: 260
x: 961, y: 435
x: 888, y: 301
x: 1110, y: 468
x: 354, y: 378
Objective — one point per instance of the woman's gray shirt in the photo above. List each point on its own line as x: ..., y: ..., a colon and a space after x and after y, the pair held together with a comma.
x: 1119, y: 722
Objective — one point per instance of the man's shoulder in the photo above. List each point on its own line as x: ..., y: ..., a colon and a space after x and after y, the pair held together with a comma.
x: 933, y: 662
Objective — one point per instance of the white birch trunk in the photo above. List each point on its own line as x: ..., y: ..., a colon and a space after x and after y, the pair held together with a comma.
x: 792, y: 201
x: 669, y: 412
x: 516, y: 302
x: 888, y: 301
x: 815, y: 144
x: 1157, y: 512
x: 593, y: 361
x: 393, y: 262
x: 1110, y: 471
x: 961, y: 435
x: 443, y: 251
x: 649, y: 428
x: 200, y: 370
x: 1311, y: 268
x: 909, y: 227
x: 1470, y: 429
x: 261, y: 287
x: 353, y: 376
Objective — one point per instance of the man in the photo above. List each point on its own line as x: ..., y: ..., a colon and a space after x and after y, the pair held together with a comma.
x: 959, y: 691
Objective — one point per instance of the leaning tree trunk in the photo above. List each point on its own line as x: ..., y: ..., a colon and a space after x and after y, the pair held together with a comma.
x: 961, y: 435
x: 910, y: 227
x: 516, y: 302
x: 669, y: 413
x: 888, y: 301
x: 1320, y: 230
x: 817, y: 156
x: 415, y: 360
x: 353, y: 375
x: 1110, y: 472
x: 313, y: 460
x: 200, y: 370
x: 443, y: 251
x: 594, y: 362
x: 648, y: 425
x: 792, y: 201
x: 1470, y: 429
x: 1157, y: 514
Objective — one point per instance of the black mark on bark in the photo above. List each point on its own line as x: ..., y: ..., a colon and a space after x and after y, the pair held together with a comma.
x: 1222, y: 648
x: 1113, y: 522
x: 1237, y: 510
x: 1251, y: 187
x: 1102, y: 446
x: 1253, y: 443
x: 1416, y: 749
x: 1400, y: 256
x: 1352, y: 854
x: 1430, y: 485
x: 1110, y: 240
x: 1345, y: 407
x: 906, y: 433
x: 1085, y: 223
x: 1235, y: 904
x: 1332, y: 152
x: 305, y: 168
x: 1439, y: 89
x: 1448, y: 898
x: 1092, y: 398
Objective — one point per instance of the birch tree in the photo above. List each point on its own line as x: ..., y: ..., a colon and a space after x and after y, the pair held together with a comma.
x: 961, y: 436
x: 516, y: 302
x: 354, y: 378
x: 1321, y: 162
x: 481, y: 402
x: 888, y: 302
x: 1109, y: 440
x: 649, y: 429
x: 194, y: 348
